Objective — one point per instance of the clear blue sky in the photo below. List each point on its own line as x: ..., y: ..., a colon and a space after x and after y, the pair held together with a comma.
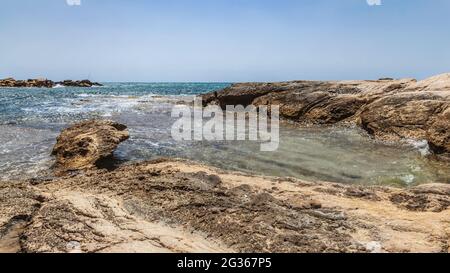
x: 224, y: 40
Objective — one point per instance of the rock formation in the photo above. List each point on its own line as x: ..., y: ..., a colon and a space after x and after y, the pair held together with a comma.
x: 387, y: 109
x: 180, y: 206
x: 44, y: 83
x: 156, y: 206
x: 88, y: 144
x: 82, y: 83
x: 40, y: 83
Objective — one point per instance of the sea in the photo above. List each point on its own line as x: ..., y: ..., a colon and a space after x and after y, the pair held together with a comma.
x: 32, y: 118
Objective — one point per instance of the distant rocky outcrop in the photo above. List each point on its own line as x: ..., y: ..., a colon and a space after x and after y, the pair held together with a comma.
x: 87, y: 145
x: 386, y: 108
x: 82, y: 83
x: 41, y: 83
x: 44, y: 83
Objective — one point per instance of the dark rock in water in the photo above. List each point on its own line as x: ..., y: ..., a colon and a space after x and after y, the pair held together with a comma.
x: 88, y: 145
x: 40, y: 83
x: 82, y: 83
x: 180, y: 206
x: 386, y: 108
x: 44, y: 83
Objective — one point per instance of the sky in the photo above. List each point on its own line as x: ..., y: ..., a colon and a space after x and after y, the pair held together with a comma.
x: 223, y: 40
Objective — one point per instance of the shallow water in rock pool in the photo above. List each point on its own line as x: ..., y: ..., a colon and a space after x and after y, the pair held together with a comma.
x: 31, y: 119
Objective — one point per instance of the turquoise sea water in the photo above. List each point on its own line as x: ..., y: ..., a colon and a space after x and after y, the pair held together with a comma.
x: 31, y: 119
x: 62, y: 105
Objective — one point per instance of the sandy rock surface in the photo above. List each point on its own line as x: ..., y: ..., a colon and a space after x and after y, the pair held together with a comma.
x: 87, y: 145
x: 180, y: 206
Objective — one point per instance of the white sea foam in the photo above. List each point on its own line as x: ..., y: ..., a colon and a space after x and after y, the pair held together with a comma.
x: 421, y: 145
x: 408, y: 179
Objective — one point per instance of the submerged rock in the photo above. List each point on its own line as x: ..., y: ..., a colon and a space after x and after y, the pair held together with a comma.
x: 386, y: 108
x: 88, y: 144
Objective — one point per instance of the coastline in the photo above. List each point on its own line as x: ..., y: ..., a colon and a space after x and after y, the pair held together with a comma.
x: 92, y: 204
x: 174, y: 205
x: 387, y: 109
x: 224, y: 135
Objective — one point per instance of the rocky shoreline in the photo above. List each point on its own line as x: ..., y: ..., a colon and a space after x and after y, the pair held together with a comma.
x: 170, y: 205
x: 387, y: 109
x: 45, y: 83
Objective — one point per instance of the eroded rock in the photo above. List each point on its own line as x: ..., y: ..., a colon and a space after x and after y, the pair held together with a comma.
x: 82, y: 83
x: 180, y: 206
x: 386, y: 108
x: 438, y: 133
x: 19, y: 202
x: 87, y: 145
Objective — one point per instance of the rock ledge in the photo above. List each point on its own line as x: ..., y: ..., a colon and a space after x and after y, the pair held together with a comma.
x: 87, y: 145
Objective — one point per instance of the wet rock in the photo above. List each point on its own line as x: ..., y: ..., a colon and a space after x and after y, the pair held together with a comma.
x: 388, y: 109
x: 82, y: 83
x: 438, y: 134
x: 87, y: 145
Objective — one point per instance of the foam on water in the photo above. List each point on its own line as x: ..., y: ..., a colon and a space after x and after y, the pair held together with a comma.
x: 421, y: 145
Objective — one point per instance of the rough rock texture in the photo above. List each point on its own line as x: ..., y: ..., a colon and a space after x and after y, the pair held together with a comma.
x: 18, y: 204
x: 82, y: 83
x: 388, y: 109
x: 88, y: 144
x: 44, y: 83
x: 10, y: 82
x: 178, y: 206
